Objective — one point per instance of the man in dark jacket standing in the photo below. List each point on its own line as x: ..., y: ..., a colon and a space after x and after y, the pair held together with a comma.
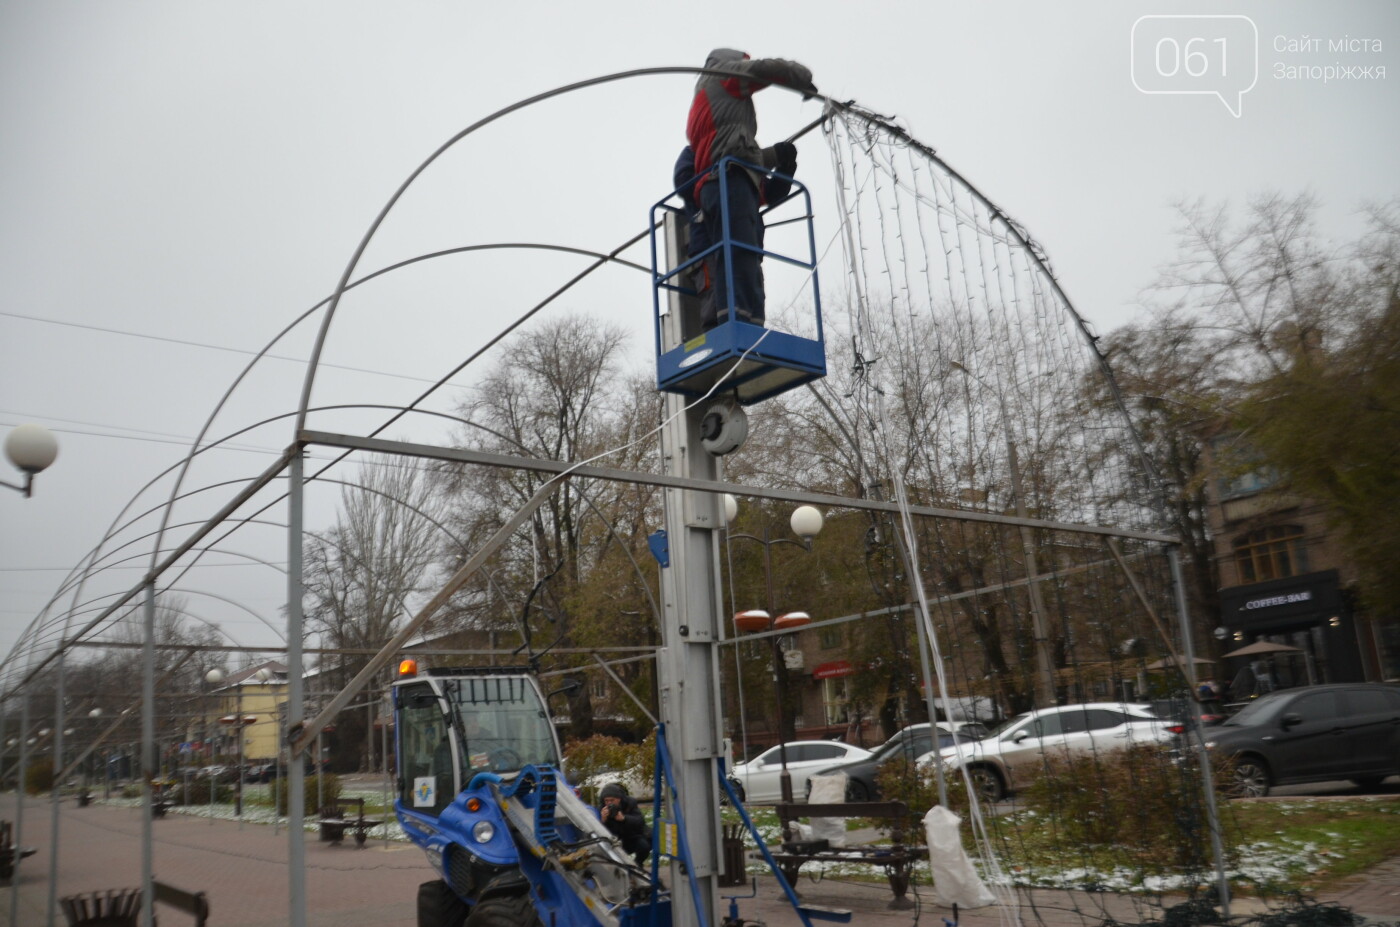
x: 774, y: 189
x: 621, y: 816
x: 722, y: 122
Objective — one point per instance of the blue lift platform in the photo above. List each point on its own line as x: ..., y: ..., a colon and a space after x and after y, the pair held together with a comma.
x: 755, y: 362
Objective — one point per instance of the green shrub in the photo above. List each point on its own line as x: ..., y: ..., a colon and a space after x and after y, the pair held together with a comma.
x: 899, y: 779
x: 328, y: 791
x: 1131, y: 800
x: 584, y: 759
x: 197, y: 792
x: 39, y: 776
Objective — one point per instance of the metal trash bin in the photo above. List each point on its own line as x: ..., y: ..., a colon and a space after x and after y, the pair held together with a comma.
x: 118, y: 907
x: 732, y: 852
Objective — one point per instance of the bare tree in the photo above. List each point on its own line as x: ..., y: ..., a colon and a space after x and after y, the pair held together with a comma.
x: 1258, y: 329
x: 365, y: 571
x: 557, y: 393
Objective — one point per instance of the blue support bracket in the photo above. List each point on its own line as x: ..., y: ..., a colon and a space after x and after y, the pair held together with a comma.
x: 660, y: 548
x: 836, y: 915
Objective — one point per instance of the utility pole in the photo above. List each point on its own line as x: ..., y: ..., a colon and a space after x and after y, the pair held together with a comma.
x: 690, y: 631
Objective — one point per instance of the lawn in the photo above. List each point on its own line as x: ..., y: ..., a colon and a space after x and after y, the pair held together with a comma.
x: 1272, y: 847
x: 1306, y: 845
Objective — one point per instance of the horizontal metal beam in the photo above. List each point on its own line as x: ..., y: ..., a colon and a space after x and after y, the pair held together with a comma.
x: 540, y: 465
x: 363, y: 651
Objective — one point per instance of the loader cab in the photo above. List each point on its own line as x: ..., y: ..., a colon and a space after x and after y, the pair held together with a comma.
x: 455, y: 723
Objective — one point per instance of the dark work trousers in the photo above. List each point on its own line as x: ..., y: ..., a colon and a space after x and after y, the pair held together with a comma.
x: 745, y: 227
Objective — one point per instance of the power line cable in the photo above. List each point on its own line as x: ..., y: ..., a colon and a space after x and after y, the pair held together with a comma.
x: 210, y: 347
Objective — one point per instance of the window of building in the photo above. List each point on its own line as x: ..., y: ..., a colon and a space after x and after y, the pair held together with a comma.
x: 599, y: 688
x: 1271, y: 553
x: 830, y: 638
x: 1244, y: 474
x: 836, y: 700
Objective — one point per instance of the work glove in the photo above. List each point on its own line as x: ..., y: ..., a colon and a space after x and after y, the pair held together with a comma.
x: 785, y: 154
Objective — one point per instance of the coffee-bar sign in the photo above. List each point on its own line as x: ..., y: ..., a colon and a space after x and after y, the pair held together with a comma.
x: 1270, y: 601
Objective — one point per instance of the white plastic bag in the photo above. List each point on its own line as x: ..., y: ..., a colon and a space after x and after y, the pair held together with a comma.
x: 829, y: 789
x: 955, y: 881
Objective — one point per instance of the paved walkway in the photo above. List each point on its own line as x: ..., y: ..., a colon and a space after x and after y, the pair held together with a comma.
x: 244, y: 872
x: 1375, y: 894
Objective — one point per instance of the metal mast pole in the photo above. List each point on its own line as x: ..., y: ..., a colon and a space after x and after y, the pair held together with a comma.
x: 149, y: 763
x: 296, y: 783
x: 19, y: 805
x: 59, y: 719
x: 690, y: 632
x: 1195, y: 737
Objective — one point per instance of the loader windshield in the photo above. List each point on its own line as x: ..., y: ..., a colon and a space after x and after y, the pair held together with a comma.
x: 504, y: 726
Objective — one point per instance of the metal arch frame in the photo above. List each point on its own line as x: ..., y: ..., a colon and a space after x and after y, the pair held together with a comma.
x: 292, y: 456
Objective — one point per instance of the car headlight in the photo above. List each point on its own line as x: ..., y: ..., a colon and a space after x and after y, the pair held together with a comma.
x: 483, y: 831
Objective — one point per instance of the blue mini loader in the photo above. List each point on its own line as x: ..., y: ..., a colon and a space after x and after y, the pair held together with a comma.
x: 480, y: 790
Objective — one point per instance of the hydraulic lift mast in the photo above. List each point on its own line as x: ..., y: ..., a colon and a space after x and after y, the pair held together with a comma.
x: 690, y: 631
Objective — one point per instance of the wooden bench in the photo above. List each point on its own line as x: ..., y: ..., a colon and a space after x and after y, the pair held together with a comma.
x: 122, y: 907
x: 334, y: 823
x: 10, y: 854
x: 897, y: 858
x: 193, y: 903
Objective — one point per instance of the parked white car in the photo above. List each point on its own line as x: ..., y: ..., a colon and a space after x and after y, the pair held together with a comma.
x: 1012, y: 754
x: 759, y: 780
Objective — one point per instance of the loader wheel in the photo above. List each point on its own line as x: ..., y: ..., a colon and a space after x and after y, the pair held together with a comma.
x: 439, y: 906
x: 504, y: 911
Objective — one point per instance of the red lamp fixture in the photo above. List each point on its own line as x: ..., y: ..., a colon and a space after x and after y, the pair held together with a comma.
x: 755, y: 619
x: 789, y: 621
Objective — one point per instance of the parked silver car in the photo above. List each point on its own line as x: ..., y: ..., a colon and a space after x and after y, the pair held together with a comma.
x: 1010, y: 755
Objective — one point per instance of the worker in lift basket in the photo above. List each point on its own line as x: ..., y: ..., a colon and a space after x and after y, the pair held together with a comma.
x: 723, y: 122
x: 621, y: 816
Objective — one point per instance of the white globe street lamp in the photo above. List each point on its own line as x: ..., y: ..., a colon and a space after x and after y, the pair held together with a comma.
x: 31, y: 448
x: 806, y: 523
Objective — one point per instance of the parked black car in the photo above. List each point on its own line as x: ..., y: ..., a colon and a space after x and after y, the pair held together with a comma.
x: 911, y: 743
x: 266, y: 772
x: 262, y: 772
x: 1312, y: 734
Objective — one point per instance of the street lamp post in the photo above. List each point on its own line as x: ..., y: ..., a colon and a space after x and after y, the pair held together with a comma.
x: 239, y: 725
x: 806, y: 523
x: 31, y: 448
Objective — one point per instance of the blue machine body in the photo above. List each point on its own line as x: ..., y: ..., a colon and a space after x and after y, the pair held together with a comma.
x: 514, y: 831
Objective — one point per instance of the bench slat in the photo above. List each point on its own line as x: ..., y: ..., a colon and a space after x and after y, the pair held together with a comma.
x: 848, y: 809
x: 823, y: 912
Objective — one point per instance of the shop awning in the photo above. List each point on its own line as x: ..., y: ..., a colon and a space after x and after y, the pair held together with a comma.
x: 833, y: 670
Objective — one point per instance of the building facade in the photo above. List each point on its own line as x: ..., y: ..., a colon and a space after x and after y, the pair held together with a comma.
x: 1286, y: 580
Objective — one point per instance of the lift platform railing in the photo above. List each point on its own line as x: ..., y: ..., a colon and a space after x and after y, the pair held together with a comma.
x: 754, y: 362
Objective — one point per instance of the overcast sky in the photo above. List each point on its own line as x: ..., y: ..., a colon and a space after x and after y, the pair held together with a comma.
x: 179, y: 181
